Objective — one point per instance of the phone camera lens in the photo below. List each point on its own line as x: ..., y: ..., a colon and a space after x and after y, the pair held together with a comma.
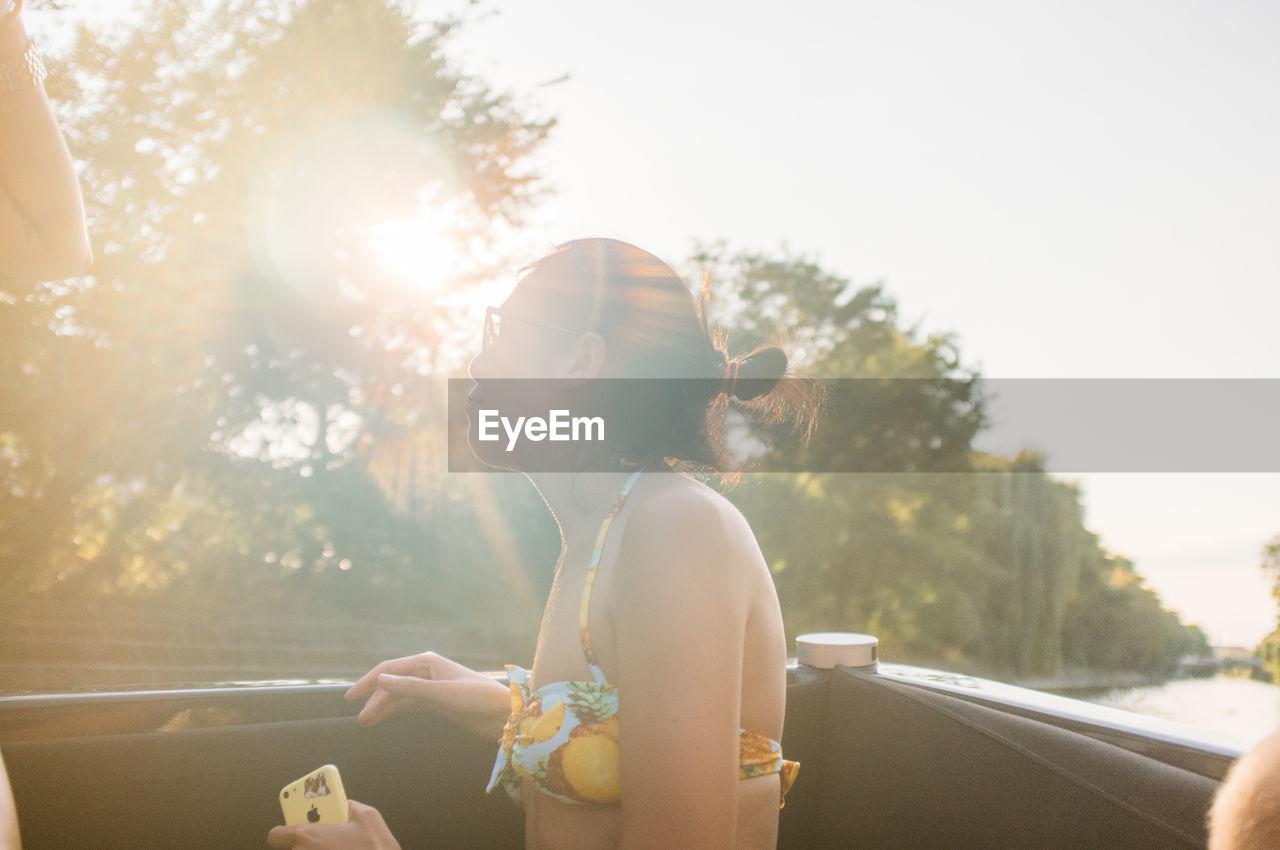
x: 286, y: 795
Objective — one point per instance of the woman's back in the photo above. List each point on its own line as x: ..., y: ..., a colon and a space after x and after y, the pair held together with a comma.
x: 681, y: 579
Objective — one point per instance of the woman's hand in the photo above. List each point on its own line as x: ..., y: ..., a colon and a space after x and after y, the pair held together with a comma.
x: 430, y: 682
x: 366, y: 830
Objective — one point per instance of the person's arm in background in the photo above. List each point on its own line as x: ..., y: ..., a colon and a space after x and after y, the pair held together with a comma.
x: 42, y: 229
x: 8, y: 814
x: 1246, y: 809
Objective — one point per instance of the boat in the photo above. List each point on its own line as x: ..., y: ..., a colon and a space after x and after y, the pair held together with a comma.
x: 893, y: 756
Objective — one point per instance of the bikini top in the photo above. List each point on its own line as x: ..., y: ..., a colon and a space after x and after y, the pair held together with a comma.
x: 563, y: 736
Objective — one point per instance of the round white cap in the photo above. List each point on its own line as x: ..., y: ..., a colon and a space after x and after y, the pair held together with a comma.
x: 825, y: 650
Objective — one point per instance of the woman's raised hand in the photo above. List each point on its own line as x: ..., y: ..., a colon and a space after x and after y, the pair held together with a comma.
x: 430, y: 682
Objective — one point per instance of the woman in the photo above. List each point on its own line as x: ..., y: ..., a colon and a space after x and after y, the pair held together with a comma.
x: 653, y: 710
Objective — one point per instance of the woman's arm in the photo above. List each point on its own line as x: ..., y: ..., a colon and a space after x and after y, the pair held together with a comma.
x: 431, y: 682
x: 42, y: 231
x: 680, y: 622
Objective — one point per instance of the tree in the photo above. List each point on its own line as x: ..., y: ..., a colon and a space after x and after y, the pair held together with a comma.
x: 1114, y: 622
x: 951, y: 557
x: 885, y: 549
x: 1269, y: 649
x: 1271, y: 564
x: 208, y: 401
x: 897, y: 403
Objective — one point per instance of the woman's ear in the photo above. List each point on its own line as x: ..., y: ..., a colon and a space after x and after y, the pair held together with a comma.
x: 588, y: 356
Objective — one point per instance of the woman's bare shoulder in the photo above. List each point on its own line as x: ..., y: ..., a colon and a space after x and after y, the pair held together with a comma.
x: 682, y: 504
x: 688, y: 531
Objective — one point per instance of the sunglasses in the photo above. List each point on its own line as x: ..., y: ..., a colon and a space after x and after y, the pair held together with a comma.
x: 495, y: 318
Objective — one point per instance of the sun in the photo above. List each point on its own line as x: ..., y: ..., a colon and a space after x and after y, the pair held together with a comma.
x: 415, y: 251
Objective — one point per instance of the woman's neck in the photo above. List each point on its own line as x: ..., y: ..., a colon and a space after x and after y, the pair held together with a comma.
x: 578, y: 501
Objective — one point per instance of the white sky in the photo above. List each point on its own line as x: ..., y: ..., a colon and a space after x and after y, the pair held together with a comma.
x: 1076, y: 189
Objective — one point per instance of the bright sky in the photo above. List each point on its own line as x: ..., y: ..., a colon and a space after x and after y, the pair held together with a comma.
x: 1076, y: 189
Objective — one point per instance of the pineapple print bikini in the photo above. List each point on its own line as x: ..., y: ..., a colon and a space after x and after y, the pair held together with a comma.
x: 563, y: 736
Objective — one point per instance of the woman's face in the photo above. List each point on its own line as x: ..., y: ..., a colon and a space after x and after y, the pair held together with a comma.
x: 522, y: 369
x: 521, y: 343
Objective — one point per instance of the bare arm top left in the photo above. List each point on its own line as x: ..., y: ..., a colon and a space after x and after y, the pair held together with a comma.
x: 42, y: 229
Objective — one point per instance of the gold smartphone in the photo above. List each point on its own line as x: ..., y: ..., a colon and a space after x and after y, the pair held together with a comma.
x: 317, y: 797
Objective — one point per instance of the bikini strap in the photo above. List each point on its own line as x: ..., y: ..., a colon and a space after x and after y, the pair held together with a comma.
x: 585, y: 609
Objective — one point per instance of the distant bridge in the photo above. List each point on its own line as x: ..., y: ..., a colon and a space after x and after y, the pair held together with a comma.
x: 1198, y: 667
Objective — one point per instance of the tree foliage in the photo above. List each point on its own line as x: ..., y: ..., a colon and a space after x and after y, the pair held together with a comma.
x: 1269, y: 649
x: 1271, y: 565
x: 990, y: 569
x: 198, y: 416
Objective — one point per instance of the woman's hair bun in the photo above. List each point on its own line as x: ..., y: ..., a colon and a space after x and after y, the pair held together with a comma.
x: 655, y: 327
x: 759, y: 372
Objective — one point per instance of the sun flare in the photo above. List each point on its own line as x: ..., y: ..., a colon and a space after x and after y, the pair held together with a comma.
x: 415, y: 252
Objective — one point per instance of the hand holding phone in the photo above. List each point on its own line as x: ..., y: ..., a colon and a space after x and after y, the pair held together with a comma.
x: 317, y: 797
x: 365, y: 831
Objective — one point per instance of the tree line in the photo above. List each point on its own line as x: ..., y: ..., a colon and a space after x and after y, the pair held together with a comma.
x: 1269, y: 649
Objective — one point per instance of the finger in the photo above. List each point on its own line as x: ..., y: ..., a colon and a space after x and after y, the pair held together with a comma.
x: 396, y: 693
x: 379, y: 707
x: 282, y: 836
x: 400, y: 666
x: 358, y: 810
x: 410, y: 687
x: 366, y: 683
x: 368, y: 821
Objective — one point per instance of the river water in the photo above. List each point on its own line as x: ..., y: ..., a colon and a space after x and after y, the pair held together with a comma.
x: 1233, y: 706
